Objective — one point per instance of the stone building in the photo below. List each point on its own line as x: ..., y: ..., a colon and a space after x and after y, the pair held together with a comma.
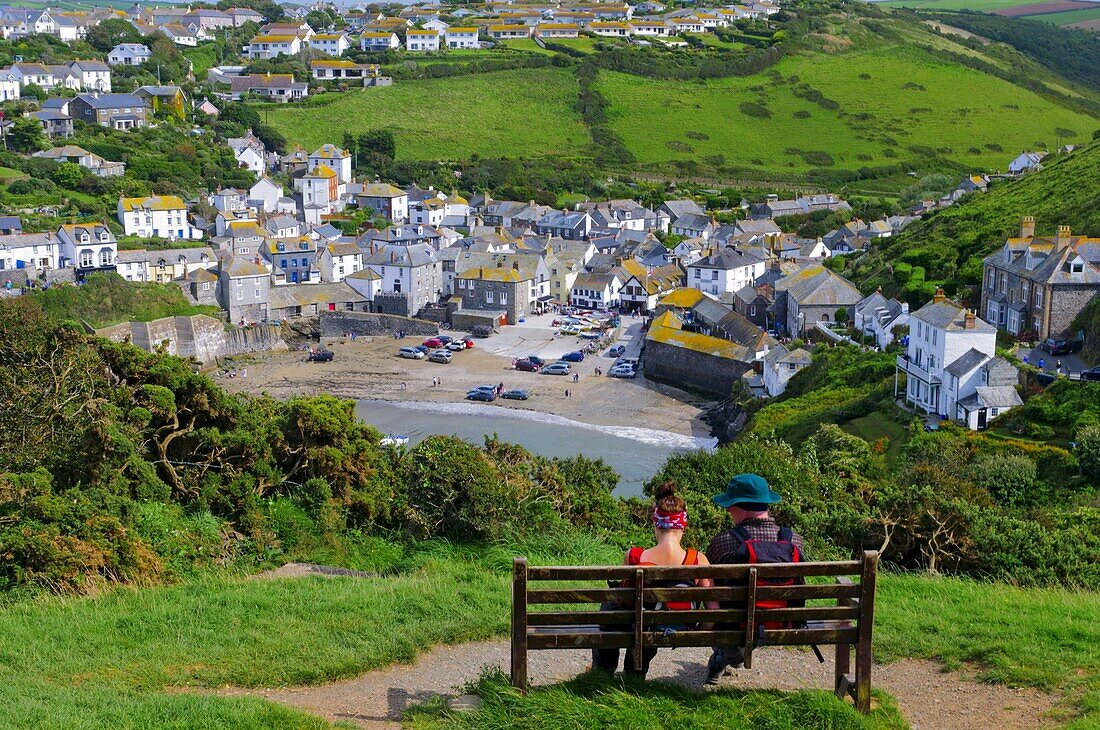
x: 1040, y: 284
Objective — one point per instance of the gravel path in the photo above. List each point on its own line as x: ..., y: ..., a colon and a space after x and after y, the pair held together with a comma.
x: 929, y: 697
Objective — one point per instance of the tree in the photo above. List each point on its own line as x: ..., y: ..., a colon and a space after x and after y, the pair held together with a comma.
x: 26, y: 135
x: 380, y: 142
x: 842, y: 315
x: 68, y: 175
x: 1088, y: 451
x: 272, y: 138
x: 111, y: 32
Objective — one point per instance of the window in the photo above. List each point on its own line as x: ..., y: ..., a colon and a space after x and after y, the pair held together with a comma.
x: 257, y: 292
x: 1038, y: 297
x: 206, y: 286
x: 1076, y: 267
x: 240, y: 294
x: 934, y: 333
x: 488, y: 297
x: 752, y: 311
x: 503, y: 297
x: 86, y: 259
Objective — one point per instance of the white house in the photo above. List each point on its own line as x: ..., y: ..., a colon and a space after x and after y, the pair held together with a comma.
x: 270, y: 45
x: 379, y: 41
x: 422, y: 40
x: 32, y: 73
x: 334, y: 44
x: 951, y: 365
x: 87, y: 247
x: 338, y: 260
x: 164, y: 216
x: 29, y: 251
x: 456, y: 38
x: 332, y: 156
x: 428, y: 212
x: 780, y: 365
x: 414, y: 270
x: 596, y: 291
x: 266, y: 192
x: 1026, y: 162
x: 725, y: 271
x: 879, y: 317
x: 129, y: 54
x: 92, y: 75
x: 10, y: 87
x: 321, y: 189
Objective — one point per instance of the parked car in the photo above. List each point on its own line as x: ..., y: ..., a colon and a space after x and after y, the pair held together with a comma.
x: 631, y: 361
x: 575, y: 356
x: 320, y: 355
x: 433, y: 342
x: 423, y: 348
x: 483, y: 389
x: 456, y: 346
x: 445, y: 339
x: 622, y: 371
x: 484, y: 395
x: 467, y: 342
x: 537, y: 360
x: 413, y: 353
x: 556, y: 368
x: 527, y: 366
x: 517, y: 394
x: 1092, y: 374
x: 1059, y: 347
x: 443, y: 356
x: 616, y: 351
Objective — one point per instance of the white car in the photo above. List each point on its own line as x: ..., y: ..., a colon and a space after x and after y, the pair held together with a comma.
x: 622, y: 371
x: 456, y: 345
x: 411, y: 352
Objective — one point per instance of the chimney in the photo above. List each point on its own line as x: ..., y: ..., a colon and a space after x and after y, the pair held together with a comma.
x: 515, y: 266
x: 940, y: 296
x: 879, y: 290
x: 481, y: 272
x: 1062, y: 239
x: 905, y: 307
x: 392, y: 257
x: 1027, y: 227
x: 970, y: 321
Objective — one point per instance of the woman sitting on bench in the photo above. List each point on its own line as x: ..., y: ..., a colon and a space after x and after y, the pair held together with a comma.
x: 669, y: 522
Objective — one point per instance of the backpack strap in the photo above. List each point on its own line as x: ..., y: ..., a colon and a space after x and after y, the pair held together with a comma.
x: 634, y: 555
x: 692, y: 557
x: 786, y: 534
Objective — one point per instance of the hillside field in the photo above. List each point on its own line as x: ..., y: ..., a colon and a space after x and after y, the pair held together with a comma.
x: 1069, y: 17
x: 506, y: 113
x: 985, y: 6
x: 910, y: 99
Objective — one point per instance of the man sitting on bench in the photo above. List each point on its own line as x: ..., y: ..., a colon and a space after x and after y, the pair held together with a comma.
x: 755, y: 537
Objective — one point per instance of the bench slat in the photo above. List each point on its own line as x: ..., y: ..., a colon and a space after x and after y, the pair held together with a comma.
x: 625, y: 617
x: 580, y: 618
x: 692, y: 572
x: 579, y: 595
x: 556, y: 639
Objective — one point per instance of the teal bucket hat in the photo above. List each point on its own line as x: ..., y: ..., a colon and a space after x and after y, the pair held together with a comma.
x: 746, y: 489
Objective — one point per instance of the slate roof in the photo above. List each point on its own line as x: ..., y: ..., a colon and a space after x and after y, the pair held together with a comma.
x: 234, y: 267
x: 966, y: 362
x: 945, y: 314
x: 995, y: 396
x: 417, y: 254
x: 111, y: 101
x: 816, y: 285
x: 728, y: 259
x: 282, y: 297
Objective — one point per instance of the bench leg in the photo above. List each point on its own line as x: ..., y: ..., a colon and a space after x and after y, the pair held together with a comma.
x: 863, y: 680
x: 842, y: 665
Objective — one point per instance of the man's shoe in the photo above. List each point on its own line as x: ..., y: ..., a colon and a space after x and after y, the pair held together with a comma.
x: 716, y: 667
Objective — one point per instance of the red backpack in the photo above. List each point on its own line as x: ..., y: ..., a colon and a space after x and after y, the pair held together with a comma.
x: 634, y: 557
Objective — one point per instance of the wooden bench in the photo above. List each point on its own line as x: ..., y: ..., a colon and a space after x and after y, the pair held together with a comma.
x: 846, y: 622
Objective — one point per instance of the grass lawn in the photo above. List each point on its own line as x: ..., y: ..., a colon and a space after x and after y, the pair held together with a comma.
x: 909, y: 99
x: 507, y: 113
x: 116, y: 660
x: 527, y: 44
x: 203, y: 57
x: 597, y: 702
x: 874, y: 426
x: 586, y: 44
x: 10, y: 173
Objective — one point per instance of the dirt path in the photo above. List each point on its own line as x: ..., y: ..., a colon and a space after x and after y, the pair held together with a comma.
x: 928, y: 697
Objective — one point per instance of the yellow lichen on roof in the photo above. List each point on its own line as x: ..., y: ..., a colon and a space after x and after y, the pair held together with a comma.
x: 697, y: 343
x: 683, y: 298
x: 493, y: 274
x: 462, y: 30
x: 666, y: 319
x: 322, y: 170
x: 157, y: 202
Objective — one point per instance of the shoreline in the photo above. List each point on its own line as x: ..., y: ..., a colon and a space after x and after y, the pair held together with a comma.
x: 367, y: 369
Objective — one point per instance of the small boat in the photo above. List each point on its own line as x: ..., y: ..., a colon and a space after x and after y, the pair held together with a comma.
x: 395, y: 440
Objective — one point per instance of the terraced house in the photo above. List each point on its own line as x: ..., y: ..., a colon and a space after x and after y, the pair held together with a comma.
x: 1040, y: 284
x: 87, y: 247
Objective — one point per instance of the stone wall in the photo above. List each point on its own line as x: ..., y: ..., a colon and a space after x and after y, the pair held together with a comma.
x: 201, y: 337
x: 1065, y: 304
x: 464, y: 320
x: 367, y: 324
x: 680, y: 366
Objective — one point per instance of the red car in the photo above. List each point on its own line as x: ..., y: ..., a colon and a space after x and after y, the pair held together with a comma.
x: 433, y: 342
x: 527, y: 366
x: 468, y: 342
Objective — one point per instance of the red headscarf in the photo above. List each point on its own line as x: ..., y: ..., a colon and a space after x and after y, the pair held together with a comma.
x: 669, y: 520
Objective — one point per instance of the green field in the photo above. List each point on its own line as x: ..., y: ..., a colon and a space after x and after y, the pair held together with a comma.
x: 527, y: 44
x: 909, y: 99
x: 586, y: 44
x: 1069, y: 17
x: 203, y: 57
x: 516, y: 113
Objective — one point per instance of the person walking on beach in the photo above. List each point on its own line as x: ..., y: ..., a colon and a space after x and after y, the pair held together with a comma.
x: 576, y: 377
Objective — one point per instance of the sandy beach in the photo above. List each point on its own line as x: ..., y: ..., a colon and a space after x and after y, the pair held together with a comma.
x: 368, y: 368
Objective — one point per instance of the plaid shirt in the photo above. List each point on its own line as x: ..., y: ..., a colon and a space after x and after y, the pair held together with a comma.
x: 724, y: 544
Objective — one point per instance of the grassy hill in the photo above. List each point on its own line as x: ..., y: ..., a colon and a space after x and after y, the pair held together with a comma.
x: 949, y: 244
x: 865, y: 95
x: 507, y: 113
x: 892, y: 104
x: 106, y: 299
